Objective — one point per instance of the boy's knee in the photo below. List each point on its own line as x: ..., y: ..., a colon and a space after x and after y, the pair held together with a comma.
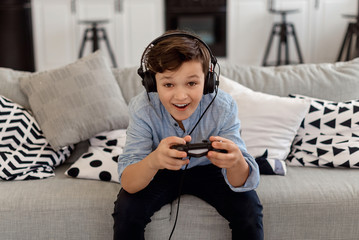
x: 129, y: 217
x: 253, y: 207
x: 248, y: 219
x: 129, y: 207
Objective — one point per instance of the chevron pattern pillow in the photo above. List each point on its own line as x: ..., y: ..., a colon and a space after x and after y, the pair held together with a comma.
x: 24, y: 152
x: 328, y: 136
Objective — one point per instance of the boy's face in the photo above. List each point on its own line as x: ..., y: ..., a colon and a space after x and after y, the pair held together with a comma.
x: 181, y: 91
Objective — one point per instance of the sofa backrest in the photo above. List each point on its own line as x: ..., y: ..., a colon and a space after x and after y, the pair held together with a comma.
x: 336, y: 82
x: 329, y: 81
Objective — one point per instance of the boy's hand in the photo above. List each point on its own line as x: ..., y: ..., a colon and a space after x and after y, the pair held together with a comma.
x: 227, y: 160
x: 166, y: 158
x: 233, y: 160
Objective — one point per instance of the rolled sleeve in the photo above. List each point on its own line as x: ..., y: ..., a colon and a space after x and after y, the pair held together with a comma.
x: 252, y: 180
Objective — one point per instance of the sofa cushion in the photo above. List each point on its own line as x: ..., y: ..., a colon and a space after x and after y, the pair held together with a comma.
x: 10, y: 86
x: 57, y: 208
x: 330, y: 81
x: 328, y: 136
x: 24, y: 151
x: 100, y: 162
x: 268, y: 124
x: 77, y: 101
x: 309, y: 203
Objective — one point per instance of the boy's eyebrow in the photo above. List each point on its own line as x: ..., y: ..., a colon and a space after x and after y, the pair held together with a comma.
x: 165, y: 78
x: 170, y: 77
x: 193, y: 76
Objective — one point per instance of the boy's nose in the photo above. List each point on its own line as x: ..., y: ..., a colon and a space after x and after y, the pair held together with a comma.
x: 181, y: 94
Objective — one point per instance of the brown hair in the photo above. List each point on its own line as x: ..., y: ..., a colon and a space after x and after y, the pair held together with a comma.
x: 169, y: 53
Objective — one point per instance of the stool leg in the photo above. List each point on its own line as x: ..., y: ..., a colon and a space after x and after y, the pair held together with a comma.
x: 350, y: 37
x: 356, y: 32
x: 282, y: 39
x: 84, y: 39
x: 95, y: 38
x: 286, y: 43
x: 343, y: 44
x: 269, y: 44
x: 109, y: 47
x: 297, y: 44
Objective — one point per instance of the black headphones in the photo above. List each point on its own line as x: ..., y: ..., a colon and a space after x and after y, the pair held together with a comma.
x: 149, y: 80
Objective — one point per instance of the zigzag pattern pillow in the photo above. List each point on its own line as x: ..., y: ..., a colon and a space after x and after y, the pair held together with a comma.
x: 24, y: 152
x: 328, y: 136
x: 100, y: 162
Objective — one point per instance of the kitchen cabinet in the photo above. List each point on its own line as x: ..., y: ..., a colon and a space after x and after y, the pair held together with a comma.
x: 58, y: 34
x: 319, y: 24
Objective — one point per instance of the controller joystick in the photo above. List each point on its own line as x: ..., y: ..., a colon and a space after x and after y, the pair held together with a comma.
x: 197, y: 149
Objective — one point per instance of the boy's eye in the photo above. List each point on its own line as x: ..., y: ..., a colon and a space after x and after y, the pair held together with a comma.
x: 168, y: 85
x: 192, y: 84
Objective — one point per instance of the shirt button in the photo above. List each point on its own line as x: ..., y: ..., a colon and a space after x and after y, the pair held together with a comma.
x: 176, y: 125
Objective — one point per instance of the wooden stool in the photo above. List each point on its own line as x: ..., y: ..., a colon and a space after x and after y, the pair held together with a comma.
x: 282, y: 29
x: 93, y: 34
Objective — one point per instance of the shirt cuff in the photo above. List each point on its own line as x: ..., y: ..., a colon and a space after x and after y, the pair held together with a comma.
x: 251, y: 182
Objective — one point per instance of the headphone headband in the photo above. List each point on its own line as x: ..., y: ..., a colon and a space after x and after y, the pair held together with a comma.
x: 174, y: 34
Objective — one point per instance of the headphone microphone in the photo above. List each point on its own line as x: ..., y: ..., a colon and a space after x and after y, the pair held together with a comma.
x: 149, y: 81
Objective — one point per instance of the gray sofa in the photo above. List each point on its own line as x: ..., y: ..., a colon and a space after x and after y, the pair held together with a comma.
x: 307, y: 203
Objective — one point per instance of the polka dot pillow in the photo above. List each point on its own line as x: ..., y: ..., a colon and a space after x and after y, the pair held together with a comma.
x: 100, y: 162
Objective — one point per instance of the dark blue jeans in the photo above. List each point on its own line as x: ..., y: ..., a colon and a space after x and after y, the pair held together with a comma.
x: 242, y: 210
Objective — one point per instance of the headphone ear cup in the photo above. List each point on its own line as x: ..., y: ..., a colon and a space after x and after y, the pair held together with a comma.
x: 210, y: 83
x: 140, y: 72
x: 149, y: 82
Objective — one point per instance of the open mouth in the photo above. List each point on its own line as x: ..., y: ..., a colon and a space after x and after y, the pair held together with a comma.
x: 181, y: 106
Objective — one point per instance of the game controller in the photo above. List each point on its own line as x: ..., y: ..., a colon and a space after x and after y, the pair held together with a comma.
x: 197, y: 149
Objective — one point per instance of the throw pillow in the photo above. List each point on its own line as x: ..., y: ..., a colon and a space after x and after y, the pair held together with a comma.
x: 77, y: 101
x: 328, y: 135
x: 100, y: 162
x: 24, y: 151
x: 268, y: 124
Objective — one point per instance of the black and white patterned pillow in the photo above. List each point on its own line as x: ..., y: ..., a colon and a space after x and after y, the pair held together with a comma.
x: 24, y: 151
x: 100, y: 162
x: 328, y: 136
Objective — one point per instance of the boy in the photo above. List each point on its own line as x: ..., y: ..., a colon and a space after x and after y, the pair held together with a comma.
x: 177, y: 72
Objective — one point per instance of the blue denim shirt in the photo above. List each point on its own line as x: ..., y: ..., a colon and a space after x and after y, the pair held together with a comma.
x: 150, y: 123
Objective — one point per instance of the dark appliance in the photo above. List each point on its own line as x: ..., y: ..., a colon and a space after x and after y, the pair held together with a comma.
x: 206, y: 18
x: 16, y: 42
